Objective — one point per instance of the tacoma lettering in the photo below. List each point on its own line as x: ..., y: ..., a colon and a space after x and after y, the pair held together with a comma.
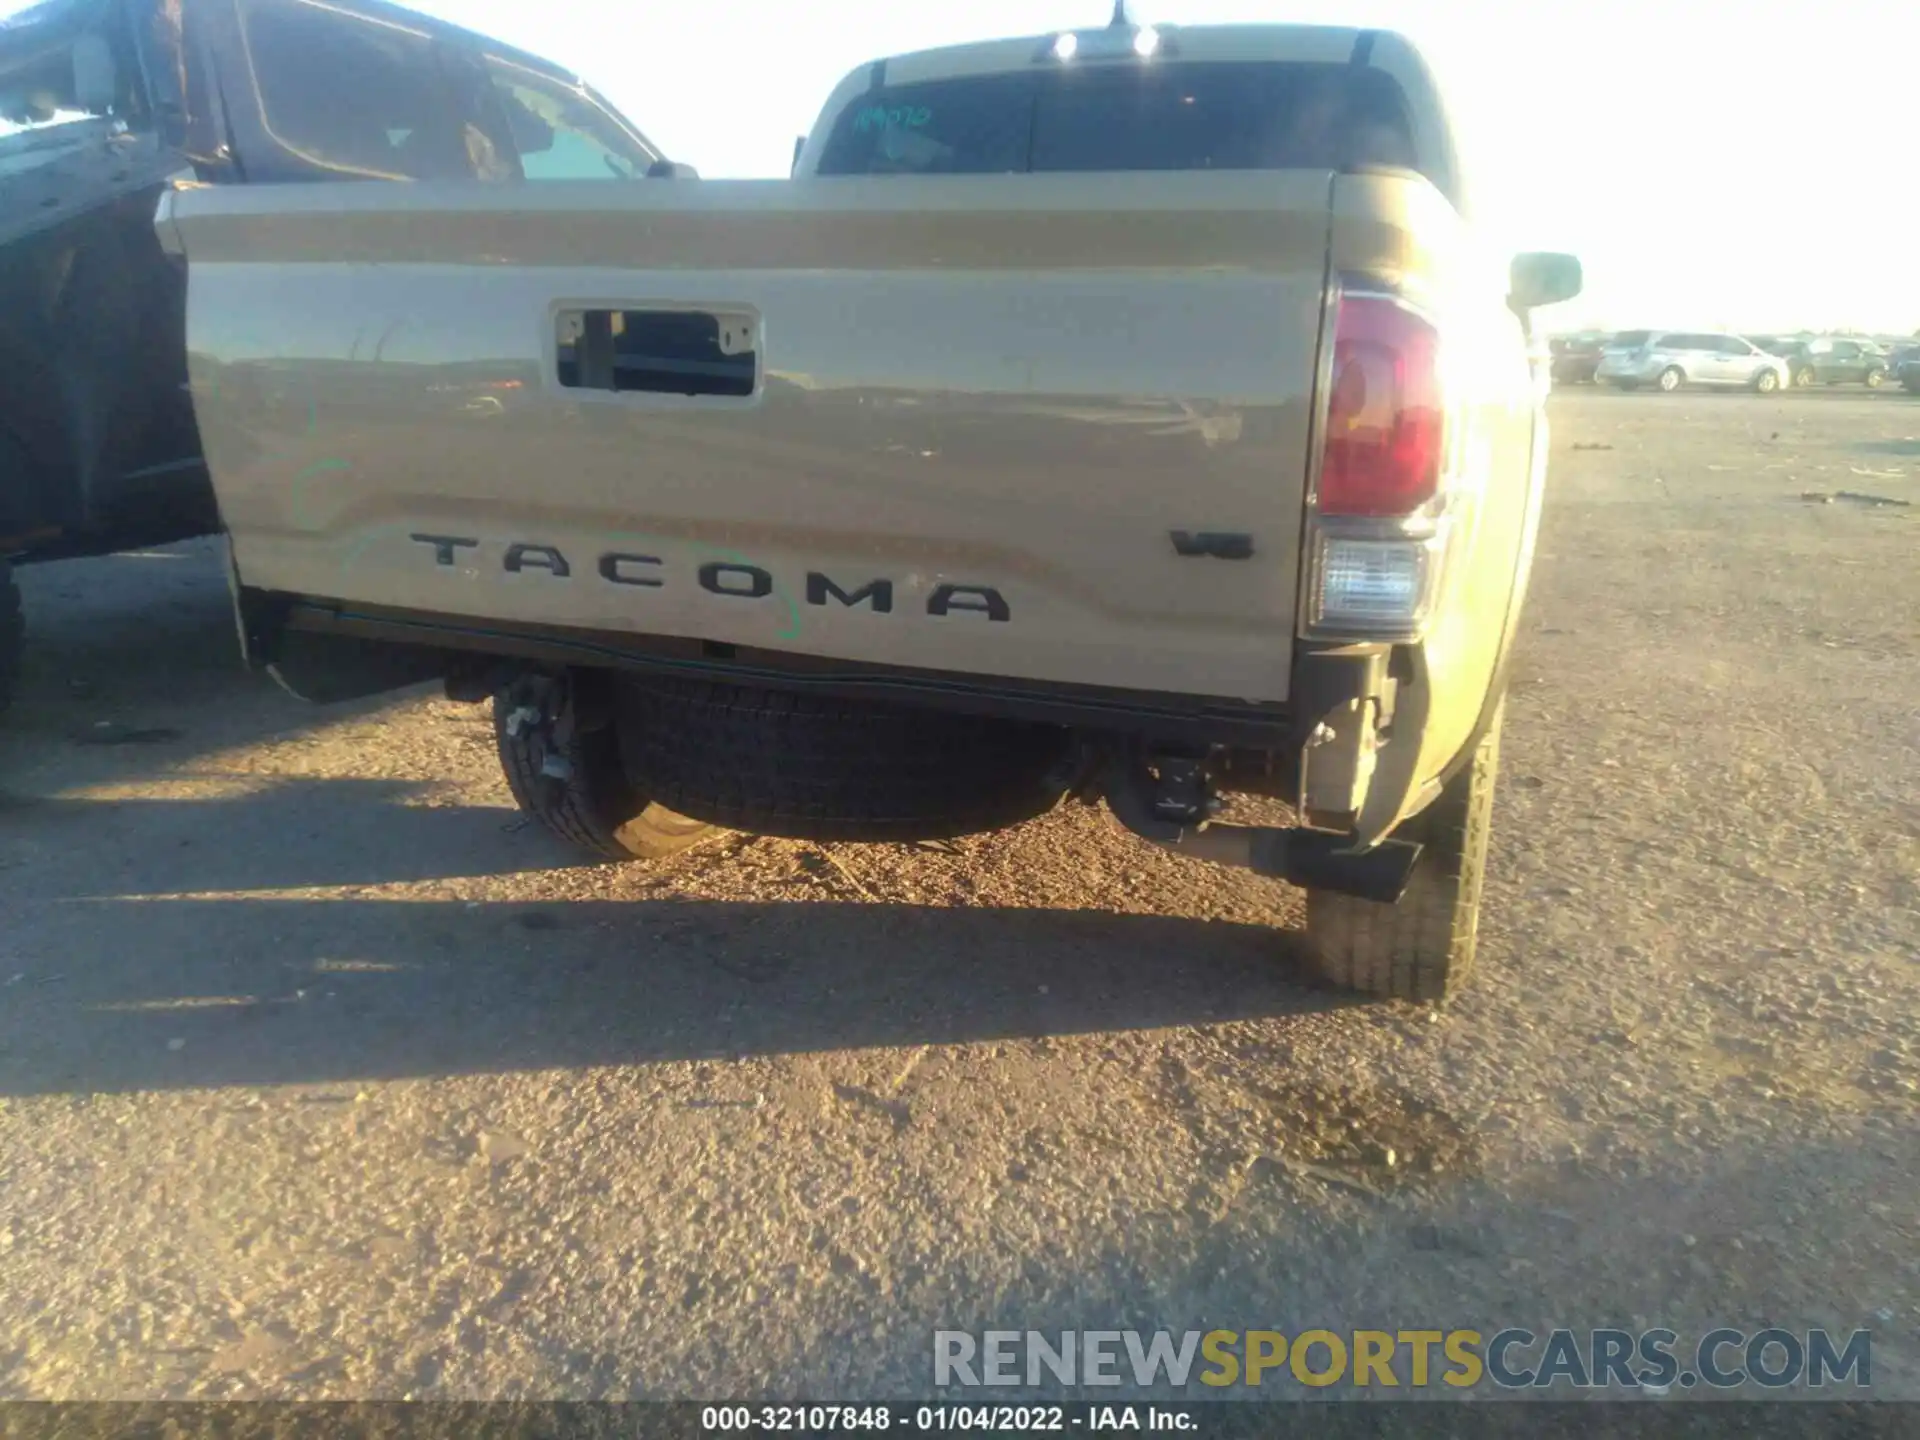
x: 728, y: 579
x: 723, y: 579
x: 612, y: 569
x: 541, y: 557
x: 977, y: 598
x: 445, y: 545
x: 879, y: 592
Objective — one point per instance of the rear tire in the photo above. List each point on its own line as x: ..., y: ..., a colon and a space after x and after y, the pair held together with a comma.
x: 13, y: 631
x: 1876, y: 378
x: 813, y: 767
x: 1672, y: 378
x: 561, y: 755
x: 1804, y: 378
x: 1422, y: 948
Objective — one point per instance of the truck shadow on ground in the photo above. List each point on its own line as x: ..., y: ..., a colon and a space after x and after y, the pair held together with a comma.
x: 153, y: 623
x: 276, y: 833
x: 132, y: 663
x: 144, y: 994
x: 133, y: 676
x: 147, y: 942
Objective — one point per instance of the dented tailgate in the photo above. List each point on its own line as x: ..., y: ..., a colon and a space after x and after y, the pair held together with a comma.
x: 1042, y: 427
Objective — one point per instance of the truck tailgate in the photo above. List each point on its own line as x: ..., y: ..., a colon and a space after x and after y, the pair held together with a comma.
x: 987, y: 422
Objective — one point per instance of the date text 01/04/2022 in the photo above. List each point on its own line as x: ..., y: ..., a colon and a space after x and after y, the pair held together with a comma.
x: 984, y: 1419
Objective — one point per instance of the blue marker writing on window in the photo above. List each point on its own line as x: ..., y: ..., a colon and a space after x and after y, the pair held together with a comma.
x: 898, y: 117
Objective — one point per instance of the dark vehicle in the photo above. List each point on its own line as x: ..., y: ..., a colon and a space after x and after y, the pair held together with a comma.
x: 1905, y: 367
x: 1576, y: 358
x: 1838, y: 362
x: 102, y: 104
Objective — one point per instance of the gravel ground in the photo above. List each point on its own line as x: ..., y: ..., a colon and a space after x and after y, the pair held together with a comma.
x: 324, y: 1075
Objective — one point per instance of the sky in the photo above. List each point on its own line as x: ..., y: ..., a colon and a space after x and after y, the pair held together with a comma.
x: 1739, y: 165
x: 1742, y: 165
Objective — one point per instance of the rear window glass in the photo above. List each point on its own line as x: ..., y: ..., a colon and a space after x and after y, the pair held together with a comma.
x: 1163, y: 116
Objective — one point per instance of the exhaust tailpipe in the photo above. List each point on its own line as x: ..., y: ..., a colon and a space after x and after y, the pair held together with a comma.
x: 1311, y: 859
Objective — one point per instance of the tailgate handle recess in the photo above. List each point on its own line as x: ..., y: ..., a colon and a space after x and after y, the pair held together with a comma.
x: 663, y: 351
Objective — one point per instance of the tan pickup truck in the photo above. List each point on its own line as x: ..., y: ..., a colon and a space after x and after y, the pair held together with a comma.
x: 1126, y: 415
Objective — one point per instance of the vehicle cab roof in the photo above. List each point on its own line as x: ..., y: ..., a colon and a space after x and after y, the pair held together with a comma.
x: 1383, y: 50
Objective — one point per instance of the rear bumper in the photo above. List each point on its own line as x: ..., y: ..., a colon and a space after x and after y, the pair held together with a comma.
x: 325, y: 651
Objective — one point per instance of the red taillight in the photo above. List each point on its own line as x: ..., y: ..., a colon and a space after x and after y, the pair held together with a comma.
x: 1385, y: 414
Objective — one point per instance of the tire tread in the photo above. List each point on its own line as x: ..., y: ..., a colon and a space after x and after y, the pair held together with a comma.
x: 820, y: 768
x: 596, y: 808
x: 1423, y: 948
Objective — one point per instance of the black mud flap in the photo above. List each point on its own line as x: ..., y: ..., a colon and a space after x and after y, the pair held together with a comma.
x: 329, y: 669
x: 323, y: 668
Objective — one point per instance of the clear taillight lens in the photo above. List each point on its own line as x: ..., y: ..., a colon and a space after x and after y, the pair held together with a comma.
x: 1372, y: 579
x: 1386, y: 418
x: 1375, y: 589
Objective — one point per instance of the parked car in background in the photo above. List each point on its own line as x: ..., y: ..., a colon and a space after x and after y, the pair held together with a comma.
x: 1781, y: 345
x: 1907, y: 372
x: 1575, y: 358
x: 1839, y: 361
x: 1671, y: 359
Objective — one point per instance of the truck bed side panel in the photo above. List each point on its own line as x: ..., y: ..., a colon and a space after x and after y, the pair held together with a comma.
x: 1002, y: 396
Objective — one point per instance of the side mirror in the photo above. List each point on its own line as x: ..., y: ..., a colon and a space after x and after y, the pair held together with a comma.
x: 1543, y: 277
x: 671, y: 170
